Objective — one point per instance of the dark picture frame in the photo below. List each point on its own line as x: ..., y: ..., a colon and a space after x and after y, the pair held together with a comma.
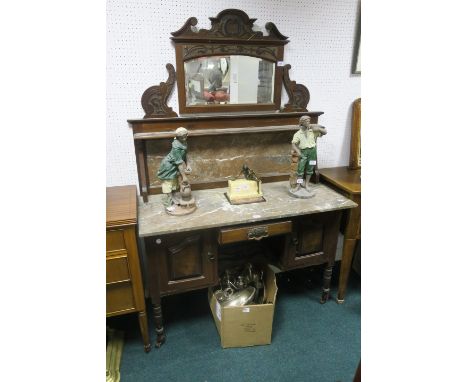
x: 356, y: 66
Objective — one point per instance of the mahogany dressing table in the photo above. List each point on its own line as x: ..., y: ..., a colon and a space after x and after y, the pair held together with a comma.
x: 184, y: 253
x: 227, y: 129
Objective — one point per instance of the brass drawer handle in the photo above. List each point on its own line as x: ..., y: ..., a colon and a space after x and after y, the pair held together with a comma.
x: 257, y: 233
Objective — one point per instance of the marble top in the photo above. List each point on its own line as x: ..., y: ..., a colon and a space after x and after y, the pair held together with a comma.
x: 214, y: 210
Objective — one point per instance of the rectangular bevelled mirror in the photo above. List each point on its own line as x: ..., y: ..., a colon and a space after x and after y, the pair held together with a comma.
x: 230, y: 67
x: 230, y: 79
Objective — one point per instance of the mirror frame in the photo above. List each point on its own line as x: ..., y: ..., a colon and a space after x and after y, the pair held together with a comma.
x: 231, y: 33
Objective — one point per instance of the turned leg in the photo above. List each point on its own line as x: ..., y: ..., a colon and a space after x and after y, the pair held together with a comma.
x: 348, y: 250
x: 143, y: 321
x: 327, y: 273
x: 351, y: 235
x: 158, y: 322
x: 153, y: 285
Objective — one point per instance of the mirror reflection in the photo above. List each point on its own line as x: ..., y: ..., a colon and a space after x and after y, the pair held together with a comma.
x: 229, y: 80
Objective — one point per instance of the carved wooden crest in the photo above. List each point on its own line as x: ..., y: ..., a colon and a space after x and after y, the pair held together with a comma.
x: 201, y: 50
x: 154, y: 99
x: 229, y: 24
x: 298, y: 94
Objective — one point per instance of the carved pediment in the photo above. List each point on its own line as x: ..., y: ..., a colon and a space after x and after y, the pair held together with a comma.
x: 229, y: 24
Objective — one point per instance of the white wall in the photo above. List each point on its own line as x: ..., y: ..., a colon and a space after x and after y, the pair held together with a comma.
x: 320, y: 51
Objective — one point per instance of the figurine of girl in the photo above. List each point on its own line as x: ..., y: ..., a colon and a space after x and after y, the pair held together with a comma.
x: 173, y: 166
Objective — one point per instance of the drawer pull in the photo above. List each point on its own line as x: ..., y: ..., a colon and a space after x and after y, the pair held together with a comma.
x: 210, y: 256
x: 257, y: 233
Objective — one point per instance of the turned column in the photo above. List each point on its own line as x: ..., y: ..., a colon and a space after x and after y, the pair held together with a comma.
x: 327, y: 274
x: 143, y: 321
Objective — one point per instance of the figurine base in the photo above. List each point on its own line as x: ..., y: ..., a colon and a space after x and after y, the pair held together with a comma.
x: 237, y: 201
x: 181, y: 210
x: 186, y: 203
x: 178, y: 200
x: 302, y: 193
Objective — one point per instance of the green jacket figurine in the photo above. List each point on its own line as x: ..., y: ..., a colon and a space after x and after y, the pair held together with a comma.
x: 172, y: 166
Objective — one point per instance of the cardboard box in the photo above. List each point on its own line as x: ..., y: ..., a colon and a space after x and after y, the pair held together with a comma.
x: 246, y: 325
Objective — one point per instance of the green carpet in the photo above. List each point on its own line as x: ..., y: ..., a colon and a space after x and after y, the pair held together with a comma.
x: 310, y: 341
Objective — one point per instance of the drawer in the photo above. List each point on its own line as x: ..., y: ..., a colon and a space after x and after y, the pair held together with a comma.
x: 306, y: 260
x: 115, y: 240
x: 117, y: 269
x: 119, y: 297
x: 254, y: 232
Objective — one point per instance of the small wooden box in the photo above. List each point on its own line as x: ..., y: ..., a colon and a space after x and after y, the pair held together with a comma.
x: 242, y: 191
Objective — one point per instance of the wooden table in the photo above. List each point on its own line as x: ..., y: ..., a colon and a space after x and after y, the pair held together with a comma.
x: 124, y: 287
x: 185, y: 252
x: 348, y: 183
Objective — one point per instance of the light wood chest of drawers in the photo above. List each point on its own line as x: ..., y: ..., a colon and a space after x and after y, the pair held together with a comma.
x: 124, y: 287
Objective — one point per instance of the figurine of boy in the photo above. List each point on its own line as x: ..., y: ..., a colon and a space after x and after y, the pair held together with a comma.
x: 172, y: 166
x: 304, y: 143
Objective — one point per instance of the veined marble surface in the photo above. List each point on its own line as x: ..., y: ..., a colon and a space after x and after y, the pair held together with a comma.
x: 214, y: 210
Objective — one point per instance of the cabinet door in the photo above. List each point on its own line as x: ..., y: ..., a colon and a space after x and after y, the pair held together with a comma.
x: 313, y: 241
x: 185, y: 261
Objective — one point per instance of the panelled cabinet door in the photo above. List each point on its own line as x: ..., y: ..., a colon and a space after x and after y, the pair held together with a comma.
x: 185, y: 261
x: 313, y: 241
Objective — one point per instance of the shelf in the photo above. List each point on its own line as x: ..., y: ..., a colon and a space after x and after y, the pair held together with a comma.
x: 224, y: 116
x: 207, y: 132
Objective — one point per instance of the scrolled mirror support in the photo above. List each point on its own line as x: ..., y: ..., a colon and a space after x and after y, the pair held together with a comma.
x: 154, y: 99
